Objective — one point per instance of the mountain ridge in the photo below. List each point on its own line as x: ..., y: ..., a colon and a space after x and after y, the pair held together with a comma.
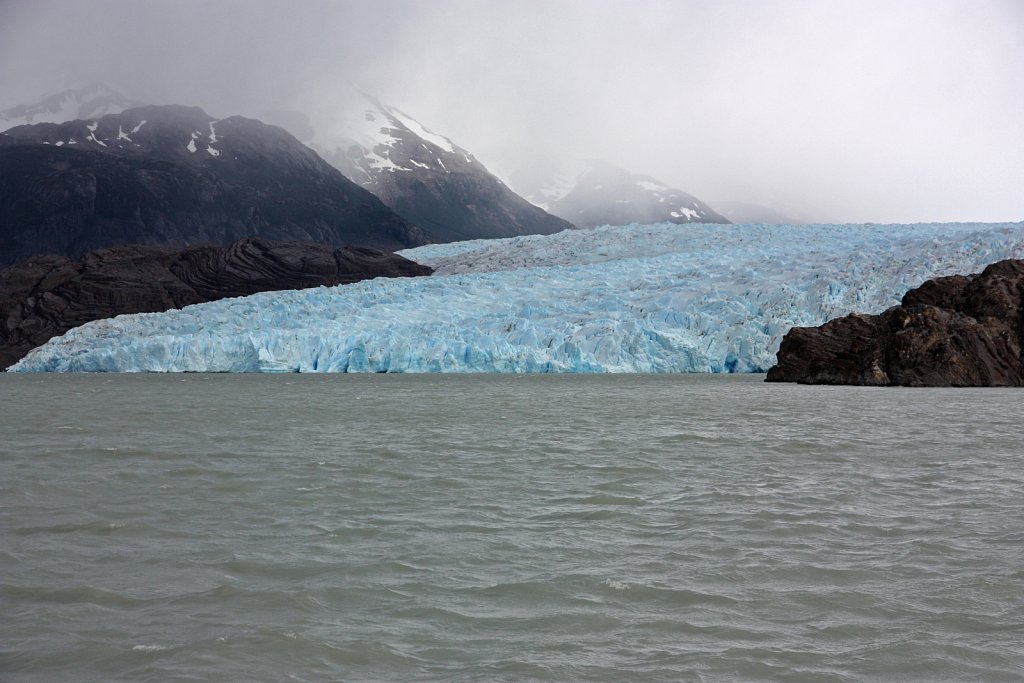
x: 171, y: 174
x: 423, y: 176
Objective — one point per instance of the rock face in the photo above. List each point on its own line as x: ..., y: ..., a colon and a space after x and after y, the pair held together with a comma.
x: 598, y: 193
x: 173, y: 175
x: 47, y: 295
x: 951, y: 331
x: 424, y: 177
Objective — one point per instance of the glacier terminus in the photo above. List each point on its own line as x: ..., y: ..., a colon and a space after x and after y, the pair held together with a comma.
x: 639, y: 298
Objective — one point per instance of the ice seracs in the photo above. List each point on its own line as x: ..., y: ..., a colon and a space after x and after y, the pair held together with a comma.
x: 659, y: 298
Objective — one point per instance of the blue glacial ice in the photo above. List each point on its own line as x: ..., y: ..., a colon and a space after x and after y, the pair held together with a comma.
x: 656, y: 298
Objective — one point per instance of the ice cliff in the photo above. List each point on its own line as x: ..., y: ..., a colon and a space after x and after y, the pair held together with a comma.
x: 658, y: 298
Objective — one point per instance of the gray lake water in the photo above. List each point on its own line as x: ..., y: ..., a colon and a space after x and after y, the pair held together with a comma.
x: 499, y: 528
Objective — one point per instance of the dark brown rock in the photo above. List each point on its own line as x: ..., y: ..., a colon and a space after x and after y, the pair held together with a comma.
x: 46, y: 296
x: 950, y: 331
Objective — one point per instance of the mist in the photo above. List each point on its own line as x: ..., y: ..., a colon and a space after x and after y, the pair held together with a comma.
x: 895, y: 111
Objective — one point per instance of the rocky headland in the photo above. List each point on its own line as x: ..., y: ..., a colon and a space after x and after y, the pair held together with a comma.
x: 962, y: 330
x: 47, y: 295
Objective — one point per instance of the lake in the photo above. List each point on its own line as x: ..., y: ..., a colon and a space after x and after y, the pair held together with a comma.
x: 507, y: 528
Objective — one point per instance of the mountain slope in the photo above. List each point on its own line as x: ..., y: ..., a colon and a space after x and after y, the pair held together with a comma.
x: 424, y: 177
x: 174, y: 175
x: 599, y: 193
x: 47, y: 295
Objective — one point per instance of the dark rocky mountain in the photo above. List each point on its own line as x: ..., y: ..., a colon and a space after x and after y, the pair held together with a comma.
x: 422, y: 176
x: 90, y: 102
x: 47, y: 295
x: 950, y: 331
x: 173, y: 175
x: 598, y: 193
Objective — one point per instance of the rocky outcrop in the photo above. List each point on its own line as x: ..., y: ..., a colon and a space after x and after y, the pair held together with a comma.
x: 951, y: 331
x: 47, y: 295
x: 176, y: 176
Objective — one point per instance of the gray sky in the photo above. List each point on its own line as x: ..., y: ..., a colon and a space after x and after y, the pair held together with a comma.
x: 874, y: 110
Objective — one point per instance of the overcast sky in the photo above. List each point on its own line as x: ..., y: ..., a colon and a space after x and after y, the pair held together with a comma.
x: 887, y: 110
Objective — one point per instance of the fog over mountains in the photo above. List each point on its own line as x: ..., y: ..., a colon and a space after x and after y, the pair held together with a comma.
x: 597, y: 193
x: 424, y: 177
x: 89, y: 102
x: 846, y: 111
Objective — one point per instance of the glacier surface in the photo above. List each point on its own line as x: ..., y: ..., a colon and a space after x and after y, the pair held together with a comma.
x: 654, y: 298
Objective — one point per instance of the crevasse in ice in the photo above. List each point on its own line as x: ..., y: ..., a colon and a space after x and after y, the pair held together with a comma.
x: 659, y: 298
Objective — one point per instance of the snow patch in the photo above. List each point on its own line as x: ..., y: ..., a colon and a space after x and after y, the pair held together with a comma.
x: 689, y: 213
x: 417, y: 128
x: 92, y: 134
x: 651, y: 185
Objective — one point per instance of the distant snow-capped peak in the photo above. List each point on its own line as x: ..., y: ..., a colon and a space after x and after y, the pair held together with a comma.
x: 91, y: 102
x: 364, y: 137
x: 547, y: 181
x: 597, y: 193
x: 423, y: 176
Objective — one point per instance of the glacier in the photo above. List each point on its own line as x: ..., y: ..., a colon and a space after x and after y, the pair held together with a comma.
x: 640, y: 298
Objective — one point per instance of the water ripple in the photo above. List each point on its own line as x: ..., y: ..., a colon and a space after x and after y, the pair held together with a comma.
x: 506, y: 529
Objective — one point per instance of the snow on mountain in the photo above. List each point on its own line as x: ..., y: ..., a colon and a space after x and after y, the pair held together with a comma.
x: 91, y: 102
x: 544, y: 181
x: 661, y: 298
x: 423, y: 176
x: 174, y: 175
x: 598, y: 193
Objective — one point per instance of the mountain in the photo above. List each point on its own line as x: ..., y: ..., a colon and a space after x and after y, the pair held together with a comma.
x: 749, y: 213
x: 91, y: 102
x: 424, y: 177
x: 174, y: 175
x: 951, y: 331
x: 651, y: 298
x: 598, y: 193
x: 47, y: 295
